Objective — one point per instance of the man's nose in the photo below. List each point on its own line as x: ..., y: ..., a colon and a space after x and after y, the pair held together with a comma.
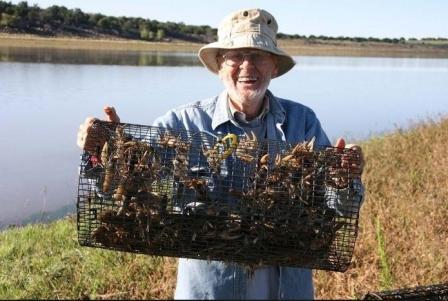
x: 247, y: 60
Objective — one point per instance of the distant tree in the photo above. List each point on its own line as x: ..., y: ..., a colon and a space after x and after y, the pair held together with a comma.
x: 21, y: 9
x: 183, y: 28
x: 114, y: 24
x: 94, y: 19
x: 104, y: 23
x: 21, y: 21
x: 125, y: 25
x: 144, y: 31
x: 54, y: 15
x: 160, y: 34
x: 281, y: 36
x: 4, y: 6
x: 34, y: 16
x: 172, y: 27
x: 79, y: 18
x: 9, y: 8
x: 151, y: 36
x: 359, y: 39
x: 153, y: 25
x: 9, y: 20
x: 209, y: 35
x: 128, y: 26
x: 198, y: 30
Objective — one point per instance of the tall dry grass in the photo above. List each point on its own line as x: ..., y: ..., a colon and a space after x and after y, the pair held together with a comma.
x: 406, y: 180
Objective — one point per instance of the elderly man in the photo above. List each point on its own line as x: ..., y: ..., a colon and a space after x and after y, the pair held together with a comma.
x: 246, y: 58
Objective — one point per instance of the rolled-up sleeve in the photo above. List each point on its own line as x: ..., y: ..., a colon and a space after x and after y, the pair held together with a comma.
x: 313, y: 128
x: 169, y: 120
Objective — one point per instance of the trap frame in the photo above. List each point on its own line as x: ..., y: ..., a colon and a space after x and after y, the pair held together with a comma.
x: 191, y: 194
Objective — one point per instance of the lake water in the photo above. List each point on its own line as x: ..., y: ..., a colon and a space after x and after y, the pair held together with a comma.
x: 45, y: 95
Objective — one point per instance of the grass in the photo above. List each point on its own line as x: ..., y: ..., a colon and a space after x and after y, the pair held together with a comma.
x: 385, y: 274
x: 292, y: 46
x: 369, y: 49
x: 407, y: 193
x: 46, y: 262
x: 402, y: 240
x: 32, y: 41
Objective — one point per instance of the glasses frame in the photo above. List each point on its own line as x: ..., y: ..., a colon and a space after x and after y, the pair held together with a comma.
x: 256, y: 57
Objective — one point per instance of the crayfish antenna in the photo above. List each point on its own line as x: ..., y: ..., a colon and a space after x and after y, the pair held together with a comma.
x: 251, y: 136
x: 310, y: 144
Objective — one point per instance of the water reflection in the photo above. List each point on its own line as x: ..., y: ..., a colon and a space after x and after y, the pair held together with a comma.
x: 97, y: 57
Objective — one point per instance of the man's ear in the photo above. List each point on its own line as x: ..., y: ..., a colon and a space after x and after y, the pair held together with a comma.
x: 275, y: 72
x: 219, y: 60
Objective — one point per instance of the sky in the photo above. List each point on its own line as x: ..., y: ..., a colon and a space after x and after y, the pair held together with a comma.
x: 352, y: 18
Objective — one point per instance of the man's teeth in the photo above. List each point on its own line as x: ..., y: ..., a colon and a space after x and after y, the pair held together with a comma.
x: 247, y: 79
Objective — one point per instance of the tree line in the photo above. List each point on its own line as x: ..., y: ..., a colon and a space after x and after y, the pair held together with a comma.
x: 356, y: 39
x: 54, y: 20
x: 22, y: 18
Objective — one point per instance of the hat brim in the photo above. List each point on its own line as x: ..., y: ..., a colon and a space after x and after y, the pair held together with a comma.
x: 208, y: 53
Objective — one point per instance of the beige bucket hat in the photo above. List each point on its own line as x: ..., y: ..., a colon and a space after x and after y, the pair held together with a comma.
x: 247, y: 28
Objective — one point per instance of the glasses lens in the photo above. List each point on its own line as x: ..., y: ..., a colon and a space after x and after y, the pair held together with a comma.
x: 234, y: 59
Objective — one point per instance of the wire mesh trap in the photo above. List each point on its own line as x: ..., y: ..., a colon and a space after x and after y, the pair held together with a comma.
x: 235, y: 199
x: 437, y: 292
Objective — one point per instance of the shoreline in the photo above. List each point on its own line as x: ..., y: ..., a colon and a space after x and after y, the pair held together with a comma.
x: 293, y: 47
x: 33, y: 41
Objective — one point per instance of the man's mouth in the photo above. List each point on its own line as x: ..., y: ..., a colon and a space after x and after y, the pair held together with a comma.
x: 247, y: 79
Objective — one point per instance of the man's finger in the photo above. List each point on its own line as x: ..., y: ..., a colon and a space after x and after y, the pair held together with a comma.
x: 86, y: 135
x: 340, y: 143
x: 111, y: 114
x: 89, y: 123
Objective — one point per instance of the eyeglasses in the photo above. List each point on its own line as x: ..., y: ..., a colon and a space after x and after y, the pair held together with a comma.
x: 236, y: 58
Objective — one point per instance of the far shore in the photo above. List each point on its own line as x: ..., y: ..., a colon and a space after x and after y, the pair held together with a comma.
x: 293, y: 47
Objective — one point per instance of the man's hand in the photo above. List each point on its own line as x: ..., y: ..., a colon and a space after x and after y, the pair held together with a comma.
x: 355, y: 166
x: 89, y: 138
x: 351, y: 165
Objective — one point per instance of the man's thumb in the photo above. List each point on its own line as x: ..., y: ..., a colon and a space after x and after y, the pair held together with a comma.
x: 111, y: 114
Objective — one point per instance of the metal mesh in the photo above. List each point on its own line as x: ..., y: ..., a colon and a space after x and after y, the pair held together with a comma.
x: 431, y: 292
x: 188, y: 194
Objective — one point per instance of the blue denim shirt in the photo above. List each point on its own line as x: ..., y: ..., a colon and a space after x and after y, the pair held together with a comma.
x: 199, y: 279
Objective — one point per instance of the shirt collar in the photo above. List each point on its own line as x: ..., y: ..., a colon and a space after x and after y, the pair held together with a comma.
x: 221, y: 113
x: 241, y: 117
x: 276, y: 108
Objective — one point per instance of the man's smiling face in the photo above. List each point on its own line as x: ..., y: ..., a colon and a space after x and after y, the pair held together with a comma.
x: 246, y: 73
